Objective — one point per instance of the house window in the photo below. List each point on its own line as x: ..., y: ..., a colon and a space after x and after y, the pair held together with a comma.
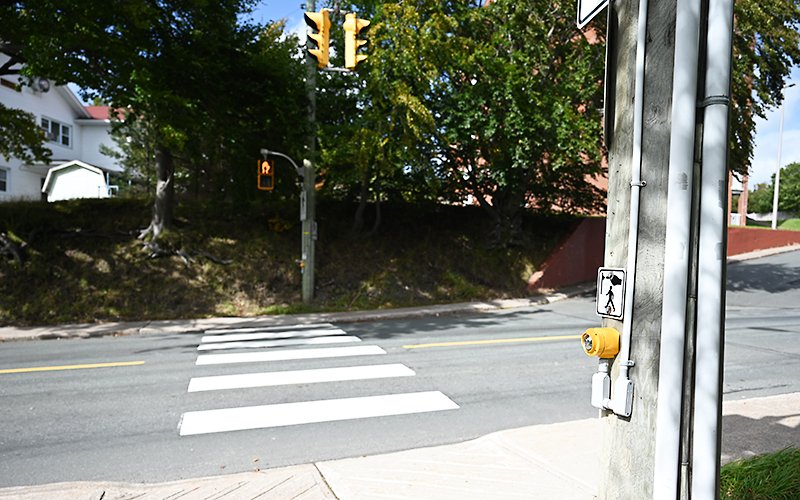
x: 57, y: 132
x: 3, y: 180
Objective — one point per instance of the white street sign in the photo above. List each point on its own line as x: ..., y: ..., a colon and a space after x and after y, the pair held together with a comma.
x: 587, y: 9
x: 610, y: 292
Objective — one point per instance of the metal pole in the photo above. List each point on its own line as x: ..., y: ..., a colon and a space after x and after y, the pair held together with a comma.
x: 778, y: 172
x: 309, y: 176
x: 710, y: 333
x: 677, y: 256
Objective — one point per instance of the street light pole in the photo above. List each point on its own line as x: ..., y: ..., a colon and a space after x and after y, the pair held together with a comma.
x: 778, y: 172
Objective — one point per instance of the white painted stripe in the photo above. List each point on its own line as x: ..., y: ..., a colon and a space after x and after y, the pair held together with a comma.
x: 289, y: 354
x: 279, y: 415
x: 278, y: 343
x: 312, y: 376
x: 302, y: 334
x: 277, y: 328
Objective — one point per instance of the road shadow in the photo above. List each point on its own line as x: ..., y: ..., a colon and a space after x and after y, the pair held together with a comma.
x: 762, y: 276
x: 395, y: 328
x: 744, y: 437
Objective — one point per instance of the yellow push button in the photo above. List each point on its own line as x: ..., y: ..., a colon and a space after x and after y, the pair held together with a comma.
x: 600, y: 342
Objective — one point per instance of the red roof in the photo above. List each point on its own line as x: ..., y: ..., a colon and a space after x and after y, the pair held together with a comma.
x: 99, y: 112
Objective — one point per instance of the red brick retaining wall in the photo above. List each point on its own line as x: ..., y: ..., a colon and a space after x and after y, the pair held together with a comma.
x: 577, y: 258
x: 744, y: 240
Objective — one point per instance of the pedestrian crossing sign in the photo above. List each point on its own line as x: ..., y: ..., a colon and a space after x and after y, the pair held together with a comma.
x: 610, y: 292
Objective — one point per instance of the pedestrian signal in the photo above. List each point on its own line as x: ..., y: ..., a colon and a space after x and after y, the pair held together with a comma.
x: 266, y: 175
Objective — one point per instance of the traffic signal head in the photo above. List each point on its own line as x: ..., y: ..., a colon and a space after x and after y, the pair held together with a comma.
x: 321, y: 23
x: 266, y: 175
x: 352, y: 26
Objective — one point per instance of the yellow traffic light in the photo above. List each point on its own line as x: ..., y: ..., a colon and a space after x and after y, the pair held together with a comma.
x: 266, y: 175
x: 321, y: 23
x: 352, y: 26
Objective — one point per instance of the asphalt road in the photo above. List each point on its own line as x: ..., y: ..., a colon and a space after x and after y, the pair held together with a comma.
x: 135, y: 419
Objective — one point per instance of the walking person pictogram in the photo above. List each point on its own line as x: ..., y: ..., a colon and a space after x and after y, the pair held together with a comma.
x: 610, y: 304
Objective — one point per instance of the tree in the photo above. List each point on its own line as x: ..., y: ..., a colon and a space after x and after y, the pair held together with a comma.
x: 789, y: 195
x: 22, y: 137
x: 190, y: 68
x: 461, y: 100
x: 760, y: 199
x: 519, y: 104
x: 376, y: 127
x: 766, y: 47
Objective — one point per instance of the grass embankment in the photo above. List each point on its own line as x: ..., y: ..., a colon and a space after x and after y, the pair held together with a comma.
x: 790, y: 225
x: 775, y: 476
x: 84, y: 263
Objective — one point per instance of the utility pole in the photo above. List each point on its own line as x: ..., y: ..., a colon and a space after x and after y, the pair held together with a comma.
x: 308, y: 208
x: 627, y: 447
x: 666, y: 227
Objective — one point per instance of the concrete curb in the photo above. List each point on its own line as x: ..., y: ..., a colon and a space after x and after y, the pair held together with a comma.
x: 762, y: 253
x: 167, y: 327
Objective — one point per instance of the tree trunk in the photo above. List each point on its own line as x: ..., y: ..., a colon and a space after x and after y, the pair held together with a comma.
x: 358, y: 219
x: 165, y: 194
x: 506, y: 213
x: 378, y: 215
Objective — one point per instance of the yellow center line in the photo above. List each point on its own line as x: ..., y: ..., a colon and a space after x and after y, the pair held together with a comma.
x: 492, y: 341
x: 70, y: 367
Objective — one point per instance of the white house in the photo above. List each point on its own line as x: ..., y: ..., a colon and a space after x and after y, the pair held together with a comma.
x: 74, y: 131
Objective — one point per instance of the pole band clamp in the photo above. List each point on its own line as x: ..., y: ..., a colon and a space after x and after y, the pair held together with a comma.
x: 713, y: 100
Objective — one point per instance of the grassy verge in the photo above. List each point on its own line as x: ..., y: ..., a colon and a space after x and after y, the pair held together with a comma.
x: 790, y: 225
x: 774, y: 476
x: 83, y: 262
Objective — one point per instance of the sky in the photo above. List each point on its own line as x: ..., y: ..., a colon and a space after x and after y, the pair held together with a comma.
x: 275, y: 10
x: 768, y: 136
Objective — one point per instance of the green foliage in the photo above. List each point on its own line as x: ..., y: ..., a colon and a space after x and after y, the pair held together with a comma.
x: 519, y: 102
x: 775, y: 476
x: 21, y: 136
x: 789, y: 195
x: 461, y: 101
x: 760, y: 199
x: 80, y: 267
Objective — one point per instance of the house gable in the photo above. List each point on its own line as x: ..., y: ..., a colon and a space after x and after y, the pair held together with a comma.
x: 75, y: 179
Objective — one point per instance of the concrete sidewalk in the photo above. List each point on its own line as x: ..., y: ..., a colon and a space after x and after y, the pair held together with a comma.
x: 543, y: 461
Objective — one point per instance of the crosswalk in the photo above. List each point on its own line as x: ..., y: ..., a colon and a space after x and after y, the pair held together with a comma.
x: 268, y: 347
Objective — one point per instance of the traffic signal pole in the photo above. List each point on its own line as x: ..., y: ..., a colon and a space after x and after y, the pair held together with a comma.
x: 308, y: 208
x: 668, y: 125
